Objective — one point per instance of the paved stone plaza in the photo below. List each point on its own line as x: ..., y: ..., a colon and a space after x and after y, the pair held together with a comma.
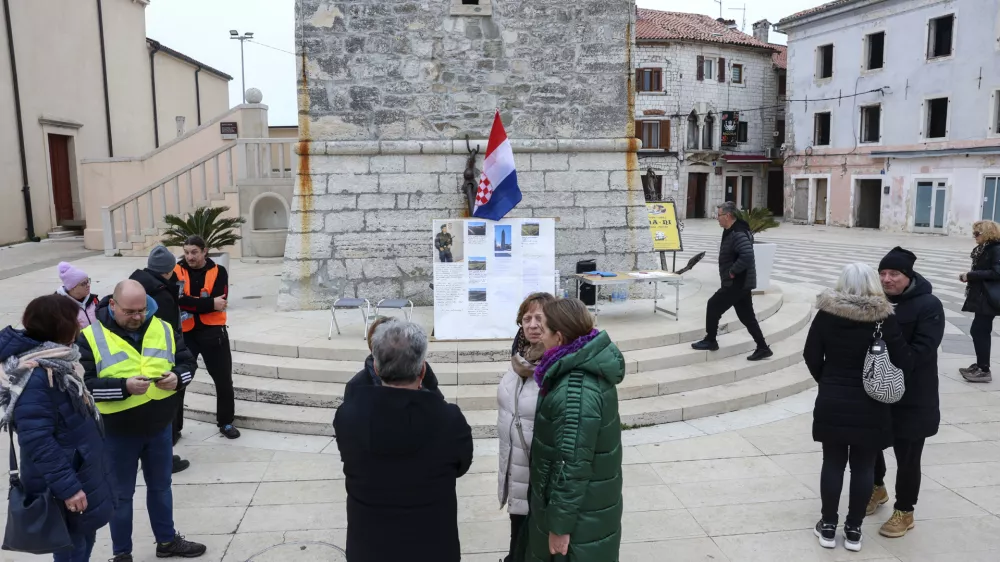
x: 739, y: 487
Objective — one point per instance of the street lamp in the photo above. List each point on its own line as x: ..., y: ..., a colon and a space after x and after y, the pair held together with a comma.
x: 248, y: 36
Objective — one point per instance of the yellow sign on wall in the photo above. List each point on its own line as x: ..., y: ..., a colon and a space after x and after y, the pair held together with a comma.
x: 663, y: 227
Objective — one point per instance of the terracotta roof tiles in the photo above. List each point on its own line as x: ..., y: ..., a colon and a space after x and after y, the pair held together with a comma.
x: 655, y: 24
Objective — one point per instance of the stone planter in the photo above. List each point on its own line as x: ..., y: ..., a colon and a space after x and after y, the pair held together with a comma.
x: 268, y: 243
x: 763, y: 254
x: 220, y: 258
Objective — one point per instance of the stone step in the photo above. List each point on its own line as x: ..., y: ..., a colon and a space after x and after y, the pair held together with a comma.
x: 643, y: 411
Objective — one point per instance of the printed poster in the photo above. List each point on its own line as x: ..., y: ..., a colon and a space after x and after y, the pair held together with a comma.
x: 663, y: 227
x: 483, y: 270
x: 730, y: 127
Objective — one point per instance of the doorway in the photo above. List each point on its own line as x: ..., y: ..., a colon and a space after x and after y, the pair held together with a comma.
x: 776, y: 192
x: 731, y: 183
x: 697, y: 186
x: 801, y: 209
x: 746, y: 193
x: 931, y: 206
x: 62, y: 188
x: 821, y: 200
x: 868, y: 195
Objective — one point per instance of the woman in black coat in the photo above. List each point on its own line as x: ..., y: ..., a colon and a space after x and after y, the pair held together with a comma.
x: 985, y: 269
x: 851, y: 426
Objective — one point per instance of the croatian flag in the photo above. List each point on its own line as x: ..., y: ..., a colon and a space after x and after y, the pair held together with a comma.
x: 498, y: 192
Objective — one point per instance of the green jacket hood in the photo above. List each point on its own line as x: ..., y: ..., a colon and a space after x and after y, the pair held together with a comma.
x: 600, y: 357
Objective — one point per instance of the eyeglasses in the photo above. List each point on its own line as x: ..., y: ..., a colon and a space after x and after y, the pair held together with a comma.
x: 976, y: 233
x: 84, y: 283
x: 135, y: 313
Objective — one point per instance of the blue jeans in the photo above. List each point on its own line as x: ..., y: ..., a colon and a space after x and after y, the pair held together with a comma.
x: 156, y: 452
x: 83, y: 544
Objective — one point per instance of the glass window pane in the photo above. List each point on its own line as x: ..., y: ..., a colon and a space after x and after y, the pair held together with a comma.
x: 939, y: 207
x: 989, y: 199
x: 922, y: 212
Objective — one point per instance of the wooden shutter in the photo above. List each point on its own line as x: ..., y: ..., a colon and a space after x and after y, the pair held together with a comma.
x: 722, y: 69
x: 659, y: 80
x: 638, y: 129
x: 638, y: 80
x: 665, y: 135
x: 701, y: 67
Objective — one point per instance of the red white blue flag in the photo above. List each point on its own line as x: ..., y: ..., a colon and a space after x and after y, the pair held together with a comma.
x: 498, y: 192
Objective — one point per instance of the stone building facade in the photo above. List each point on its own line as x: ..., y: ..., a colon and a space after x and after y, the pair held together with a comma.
x: 690, y: 69
x: 388, y: 93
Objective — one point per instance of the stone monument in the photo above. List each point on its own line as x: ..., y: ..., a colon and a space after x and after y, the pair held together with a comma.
x: 389, y: 91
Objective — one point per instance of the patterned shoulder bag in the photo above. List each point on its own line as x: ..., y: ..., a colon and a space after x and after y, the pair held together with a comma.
x: 883, y: 381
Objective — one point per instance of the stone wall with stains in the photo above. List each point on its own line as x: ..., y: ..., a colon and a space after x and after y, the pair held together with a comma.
x: 388, y: 91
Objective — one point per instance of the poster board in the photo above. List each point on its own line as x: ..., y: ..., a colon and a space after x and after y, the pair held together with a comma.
x: 483, y: 270
x: 663, y: 227
x: 730, y: 128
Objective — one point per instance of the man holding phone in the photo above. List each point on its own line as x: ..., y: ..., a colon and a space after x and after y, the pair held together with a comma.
x: 133, y: 366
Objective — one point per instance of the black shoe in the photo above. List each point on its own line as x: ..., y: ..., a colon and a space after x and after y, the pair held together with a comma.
x: 180, y: 465
x: 706, y: 345
x: 826, y: 533
x: 121, y: 558
x: 761, y: 353
x: 179, y: 547
x: 852, y: 538
x: 230, y: 431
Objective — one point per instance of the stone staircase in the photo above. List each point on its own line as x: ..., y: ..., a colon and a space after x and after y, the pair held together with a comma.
x: 295, y: 389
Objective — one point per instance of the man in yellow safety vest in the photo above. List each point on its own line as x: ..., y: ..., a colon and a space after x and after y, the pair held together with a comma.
x: 134, y: 363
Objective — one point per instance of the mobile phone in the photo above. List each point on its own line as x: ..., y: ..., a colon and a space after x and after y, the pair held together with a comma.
x: 154, y: 379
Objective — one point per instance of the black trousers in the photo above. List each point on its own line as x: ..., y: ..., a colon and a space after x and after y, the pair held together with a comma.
x: 908, y: 455
x: 981, y: 332
x: 831, y: 481
x: 739, y: 299
x: 178, y: 424
x: 213, y: 346
x: 515, y: 528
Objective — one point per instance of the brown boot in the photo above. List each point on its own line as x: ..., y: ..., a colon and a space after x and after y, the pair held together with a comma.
x: 897, y: 525
x: 977, y: 374
x: 879, y: 497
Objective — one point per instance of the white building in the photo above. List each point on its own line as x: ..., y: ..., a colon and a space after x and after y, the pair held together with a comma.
x: 706, y: 107
x: 901, y: 130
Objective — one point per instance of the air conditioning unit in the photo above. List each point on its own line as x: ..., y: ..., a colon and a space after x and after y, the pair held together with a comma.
x: 773, y: 153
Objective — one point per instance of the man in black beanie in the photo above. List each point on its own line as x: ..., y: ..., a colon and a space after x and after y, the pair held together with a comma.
x: 917, y: 415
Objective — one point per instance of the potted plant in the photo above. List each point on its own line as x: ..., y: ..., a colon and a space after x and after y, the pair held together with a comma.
x: 217, y: 232
x: 761, y: 219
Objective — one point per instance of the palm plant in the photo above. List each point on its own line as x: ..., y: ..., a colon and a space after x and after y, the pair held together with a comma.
x: 205, y: 222
x: 759, y: 219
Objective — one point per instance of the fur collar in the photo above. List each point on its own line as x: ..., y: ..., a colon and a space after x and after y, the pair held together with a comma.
x: 854, y: 307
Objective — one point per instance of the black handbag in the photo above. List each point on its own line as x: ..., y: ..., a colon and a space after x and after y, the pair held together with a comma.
x: 36, y: 523
x: 991, y: 292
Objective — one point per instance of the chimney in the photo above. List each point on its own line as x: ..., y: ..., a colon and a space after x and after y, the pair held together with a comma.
x: 731, y: 24
x: 760, y: 30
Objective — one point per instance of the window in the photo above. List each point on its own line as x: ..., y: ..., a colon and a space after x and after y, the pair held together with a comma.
x: 652, y: 187
x: 471, y: 7
x: 649, y: 80
x: 821, y: 129
x: 655, y: 135
x: 930, y: 206
x: 782, y: 84
x: 940, y: 34
x: 824, y: 62
x: 991, y: 204
x: 708, y: 132
x: 737, y: 74
x: 692, y: 131
x: 708, y: 69
x: 875, y: 51
x: 743, y: 132
x: 779, y: 128
x: 936, y: 124
x: 871, y: 123
x: 995, y: 126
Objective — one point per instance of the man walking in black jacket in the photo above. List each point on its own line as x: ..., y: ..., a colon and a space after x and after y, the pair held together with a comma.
x: 133, y: 364
x: 917, y: 415
x: 161, y: 285
x: 738, y: 272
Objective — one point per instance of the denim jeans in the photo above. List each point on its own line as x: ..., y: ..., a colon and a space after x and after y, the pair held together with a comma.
x: 156, y: 452
x: 83, y: 544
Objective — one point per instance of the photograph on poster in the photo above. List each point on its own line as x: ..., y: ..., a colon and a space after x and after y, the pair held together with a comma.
x: 449, y: 242
x: 477, y: 228
x: 502, y: 240
x: 477, y: 295
x: 530, y: 229
x: 477, y: 264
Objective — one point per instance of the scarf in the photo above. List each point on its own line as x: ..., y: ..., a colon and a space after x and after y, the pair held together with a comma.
x: 525, y: 356
x: 553, y: 355
x: 977, y: 253
x: 64, y: 371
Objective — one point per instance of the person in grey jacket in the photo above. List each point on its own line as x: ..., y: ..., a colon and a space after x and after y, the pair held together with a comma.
x: 739, y: 278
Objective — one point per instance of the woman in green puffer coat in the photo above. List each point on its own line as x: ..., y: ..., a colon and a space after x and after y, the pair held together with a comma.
x: 576, y: 454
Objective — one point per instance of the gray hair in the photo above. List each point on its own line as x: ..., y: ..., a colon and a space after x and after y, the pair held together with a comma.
x: 859, y: 279
x: 729, y: 208
x: 399, y: 350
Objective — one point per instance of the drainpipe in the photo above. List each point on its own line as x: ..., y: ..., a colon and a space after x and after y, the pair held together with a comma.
x: 152, y: 78
x: 104, y: 74
x: 197, y: 93
x: 25, y: 189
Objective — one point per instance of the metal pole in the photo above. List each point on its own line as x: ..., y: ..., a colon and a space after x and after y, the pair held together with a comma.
x: 243, y: 71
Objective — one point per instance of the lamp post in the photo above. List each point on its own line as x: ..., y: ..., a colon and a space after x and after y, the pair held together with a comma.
x: 248, y: 36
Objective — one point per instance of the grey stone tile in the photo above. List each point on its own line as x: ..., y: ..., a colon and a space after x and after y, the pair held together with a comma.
x: 222, y: 473
x: 986, y: 497
x: 968, y: 534
x: 323, y: 467
x: 797, y: 546
x: 210, y: 454
x: 480, y: 508
x: 960, y: 453
x: 737, y: 492
x: 785, y: 444
x: 678, y: 550
x: 245, y: 545
x: 965, y: 476
x: 649, y: 498
x: 659, y: 525
x: 300, y: 492
x: 986, y: 431
x: 725, y: 445
x: 952, y: 556
x: 684, y: 472
x: 190, y: 520
x: 757, y: 517
x: 204, y: 495
x: 294, y: 517
x: 484, y: 536
x: 639, y: 475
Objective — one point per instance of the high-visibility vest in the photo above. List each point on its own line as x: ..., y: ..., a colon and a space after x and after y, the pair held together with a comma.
x: 117, y: 359
x: 215, y: 318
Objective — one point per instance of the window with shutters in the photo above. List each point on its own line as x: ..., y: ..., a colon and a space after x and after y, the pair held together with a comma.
x: 655, y: 135
x: 936, y: 118
x: 875, y: 50
x: 821, y: 129
x: 649, y: 80
x: 708, y: 69
x: 692, y: 131
x: 871, y: 123
x: 782, y: 84
x: 743, y: 132
x: 940, y: 36
x: 708, y: 132
x: 737, y: 73
x: 824, y: 62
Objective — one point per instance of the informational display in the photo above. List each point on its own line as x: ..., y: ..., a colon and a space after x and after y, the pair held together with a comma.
x: 663, y: 227
x: 483, y: 270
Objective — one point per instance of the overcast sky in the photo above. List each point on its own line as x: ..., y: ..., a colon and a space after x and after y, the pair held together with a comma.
x: 200, y: 30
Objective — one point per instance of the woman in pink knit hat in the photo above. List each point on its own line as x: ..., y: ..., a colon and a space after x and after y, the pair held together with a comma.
x: 76, y: 285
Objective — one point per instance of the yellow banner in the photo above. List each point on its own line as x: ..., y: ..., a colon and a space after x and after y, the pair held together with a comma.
x: 663, y: 227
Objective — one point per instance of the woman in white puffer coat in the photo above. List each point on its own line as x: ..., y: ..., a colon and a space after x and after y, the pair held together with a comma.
x: 516, y: 398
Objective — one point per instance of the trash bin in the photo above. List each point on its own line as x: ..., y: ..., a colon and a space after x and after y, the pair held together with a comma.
x: 588, y: 293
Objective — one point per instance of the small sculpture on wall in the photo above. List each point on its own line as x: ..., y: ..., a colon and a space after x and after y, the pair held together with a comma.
x: 469, y: 185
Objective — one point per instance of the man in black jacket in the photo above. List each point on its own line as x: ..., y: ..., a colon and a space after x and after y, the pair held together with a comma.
x: 403, y: 451
x: 738, y: 272
x: 368, y: 377
x: 133, y: 363
x: 161, y: 285
x: 917, y: 415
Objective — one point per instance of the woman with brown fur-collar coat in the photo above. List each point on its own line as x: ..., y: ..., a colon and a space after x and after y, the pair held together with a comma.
x: 852, y: 426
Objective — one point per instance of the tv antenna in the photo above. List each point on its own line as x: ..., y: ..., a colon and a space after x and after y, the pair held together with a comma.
x: 744, y: 10
x: 719, y: 2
